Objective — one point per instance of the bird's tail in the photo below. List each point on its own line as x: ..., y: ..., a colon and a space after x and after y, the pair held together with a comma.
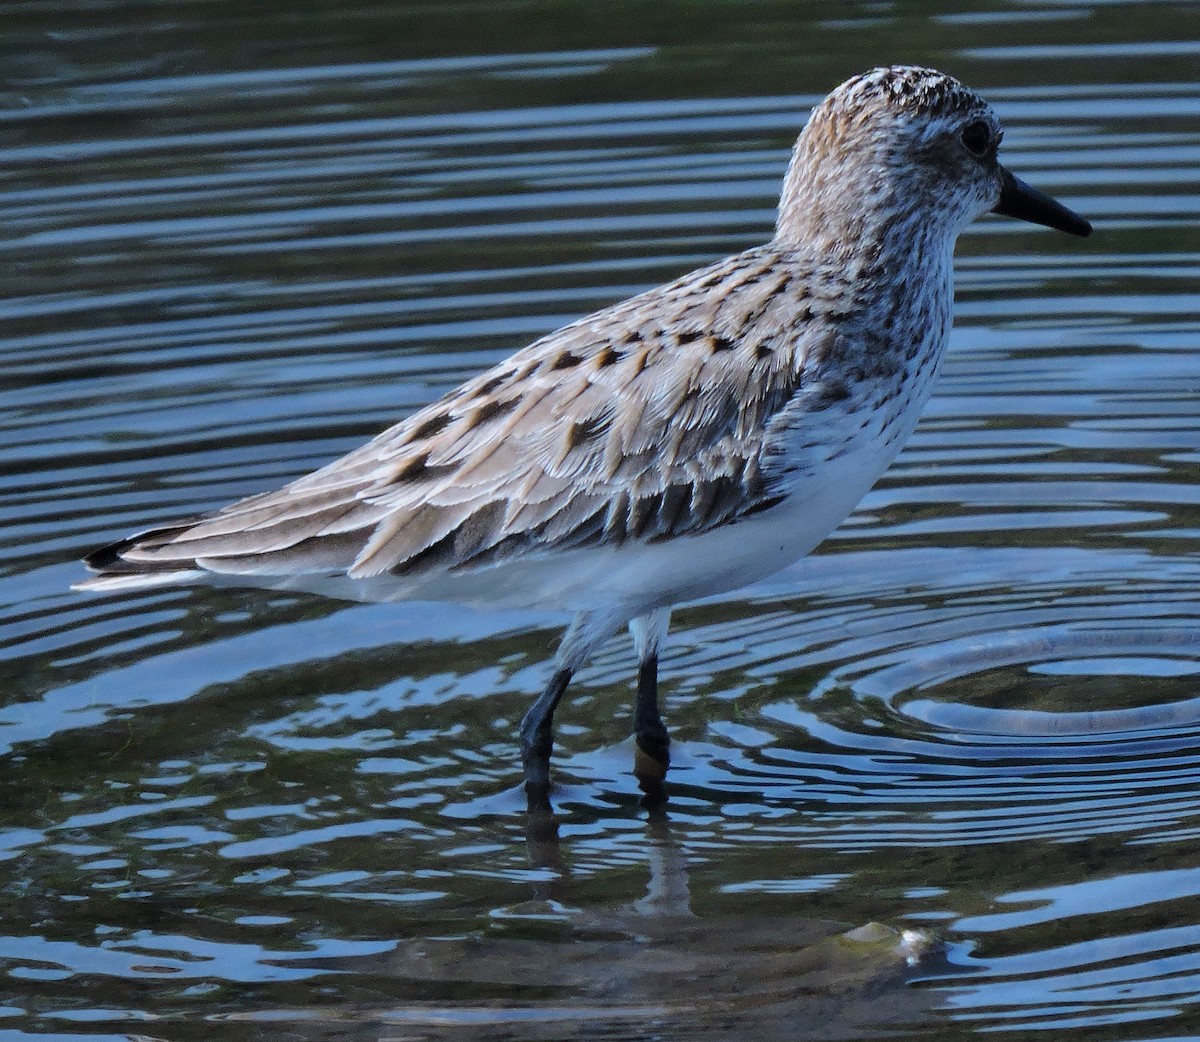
x: 115, y: 571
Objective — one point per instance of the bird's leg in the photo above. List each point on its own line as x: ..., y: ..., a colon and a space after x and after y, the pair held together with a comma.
x: 649, y: 731
x: 588, y: 630
x: 651, y: 740
x: 537, y: 736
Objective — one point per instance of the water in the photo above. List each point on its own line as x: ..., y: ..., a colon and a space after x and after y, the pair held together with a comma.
x: 240, y: 238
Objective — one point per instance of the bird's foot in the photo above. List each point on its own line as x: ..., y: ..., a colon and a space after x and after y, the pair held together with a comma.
x: 651, y: 754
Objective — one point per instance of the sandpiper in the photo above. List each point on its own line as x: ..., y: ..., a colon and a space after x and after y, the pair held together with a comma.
x: 689, y: 440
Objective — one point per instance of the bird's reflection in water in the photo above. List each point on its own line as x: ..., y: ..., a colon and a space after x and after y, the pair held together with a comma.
x: 651, y: 958
x: 563, y: 965
x: 544, y: 845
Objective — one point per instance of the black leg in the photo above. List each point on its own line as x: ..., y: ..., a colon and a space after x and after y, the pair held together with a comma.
x: 650, y: 733
x: 537, y: 737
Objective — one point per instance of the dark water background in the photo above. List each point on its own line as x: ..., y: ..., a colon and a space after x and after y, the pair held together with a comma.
x: 240, y: 237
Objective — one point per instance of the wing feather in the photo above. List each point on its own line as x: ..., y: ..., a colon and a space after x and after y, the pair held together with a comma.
x: 647, y: 420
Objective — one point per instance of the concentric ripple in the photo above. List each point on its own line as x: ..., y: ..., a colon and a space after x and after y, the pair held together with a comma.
x: 1006, y: 667
x: 993, y: 710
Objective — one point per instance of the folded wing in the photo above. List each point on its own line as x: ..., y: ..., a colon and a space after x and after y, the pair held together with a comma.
x: 647, y: 420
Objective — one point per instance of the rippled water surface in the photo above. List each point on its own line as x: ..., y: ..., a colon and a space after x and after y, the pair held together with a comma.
x: 940, y: 779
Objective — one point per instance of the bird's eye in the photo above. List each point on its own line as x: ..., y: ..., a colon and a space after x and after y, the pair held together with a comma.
x: 977, y: 137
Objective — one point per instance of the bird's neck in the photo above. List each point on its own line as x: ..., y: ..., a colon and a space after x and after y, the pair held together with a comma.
x: 889, y: 268
x: 862, y: 235
x: 855, y: 212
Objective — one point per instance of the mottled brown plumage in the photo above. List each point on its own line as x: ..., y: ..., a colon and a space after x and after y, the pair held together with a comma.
x: 645, y: 421
x: 685, y: 441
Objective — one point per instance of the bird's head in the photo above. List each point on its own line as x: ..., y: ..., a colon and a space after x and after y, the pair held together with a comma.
x: 905, y: 144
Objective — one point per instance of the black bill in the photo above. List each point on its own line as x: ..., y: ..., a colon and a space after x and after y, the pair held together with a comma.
x: 1017, y: 199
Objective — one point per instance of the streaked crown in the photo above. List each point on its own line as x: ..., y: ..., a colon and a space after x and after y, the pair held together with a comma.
x: 907, y: 88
